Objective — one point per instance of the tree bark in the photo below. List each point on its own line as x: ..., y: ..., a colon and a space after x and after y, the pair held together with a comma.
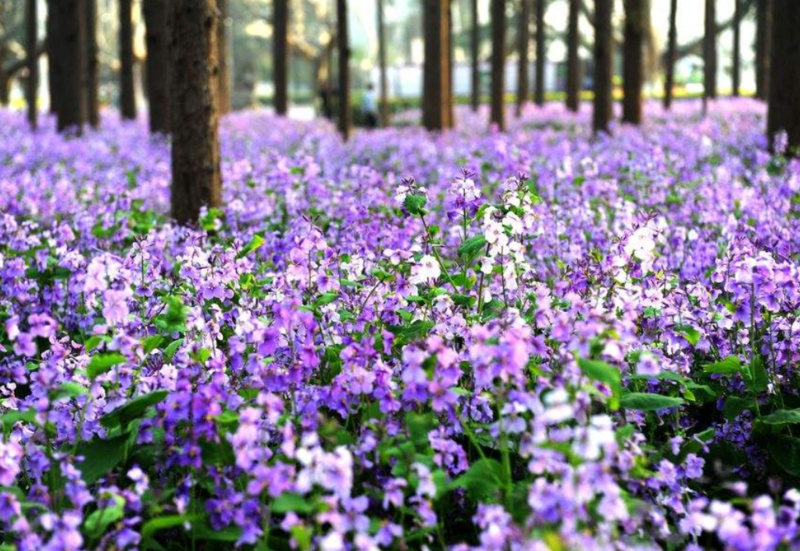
x: 538, y: 94
x: 196, y: 179
x: 784, y: 100
x: 763, y: 43
x: 224, y: 65
x: 573, y: 61
x: 92, y: 65
x: 32, y: 59
x: 710, y: 52
x: 475, y: 44
x: 672, y: 50
x: 384, y: 101
x: 603, y: 65
x: 344, y: 68
x: 736, y: 62
x: 436, y: 107
x: 127, y: 94
x: 524, y: 40
x: 68, y: 53
x: 498, y: 63
x: 637, y: 16
x: 156, y: 13
x: 280, y: 52
x: 53, y: 70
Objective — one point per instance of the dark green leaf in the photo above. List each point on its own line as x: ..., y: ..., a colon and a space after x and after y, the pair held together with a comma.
x: 101, y: 456
x: 102, y: 363
x: 643, y: 401
x: 289, y: 502
x: 133, y: 409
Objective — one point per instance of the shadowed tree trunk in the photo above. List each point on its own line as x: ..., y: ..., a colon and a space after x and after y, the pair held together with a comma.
x: 53, y: 70
x: 524, y: 42
x: 475, y: 44
x: 384, y: 101
x: 436, y: 108
x: 538, y: 93
x: 157, y: 39
x: 224, y: 65
x: 196, y: 179
x: 127, y: 96
x: 498, y: 63
x: 736, y: 62
x: 603, y: 65
x: 32, y: 60
x: 344, y: 68
x: 784, y: 102
x: 637, y: 18
x: 92, y: 64
x: 67, y: 52
x: 280, y: 52
x: 763, y: 43
x: 672, y: 52
x: 710, y: 52
x: 573, y: 61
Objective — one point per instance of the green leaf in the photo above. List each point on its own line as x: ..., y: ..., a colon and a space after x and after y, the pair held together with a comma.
x: 472, y: 247
x: 643, y: 401
x: 170, y: 350
x: 163, y: 523
x: 69, y: 390
x: 151, y: 343
x: 729, y: 366
x: 102, y: 363
x: 289, y: 502
x: 415, y: 204
x: 325, y: 298
x: 482, y: 481
x: 419, y: 425
x: 604, y: 373
x: 97, y: 522
x: 756, y: 378
x: 688, y: 332
x: 785, y: 451
x: 735, y: 405
x: 133, y: 409
x: 781, y: 417
x: 13, y: 417
x: 255, y: 243
x: 101, y: 456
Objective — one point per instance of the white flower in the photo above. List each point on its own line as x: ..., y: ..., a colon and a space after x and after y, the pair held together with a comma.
x: 426, y: 271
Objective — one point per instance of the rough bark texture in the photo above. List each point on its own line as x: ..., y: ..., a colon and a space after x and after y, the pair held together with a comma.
x: 475, y: 45
x: 573, y: 61
x: 436, y: 108
x: 384, y: 82
x: 784, y: 100
x: 498, y: 14
x: 127, y: 95
x: 32, y: 59
x: 196, y: 179
x: 538, y: 94
x: 343, y: 36
x: 156, y: 13
x: 53, y: 59
x: 523, y: 45
x: 637, y: 17
x: 736, y: 61
x: 92, y: 64
x: 223, y: 33
x: 710, y: 51
x: 280, y: 53
x: 763, y: 43
x: 672, y: 52
x: 69, y: 70
x: 603, y: 65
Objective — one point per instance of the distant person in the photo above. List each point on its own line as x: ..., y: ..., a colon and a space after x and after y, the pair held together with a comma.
x: 369, y: 106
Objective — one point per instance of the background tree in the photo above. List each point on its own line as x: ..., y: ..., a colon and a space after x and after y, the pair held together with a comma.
x: 223, y: 33
x: 763, y: 43
x: 541, y: 48
x: 127, y: 93
x: 672, y: 47
x: 67, y: 54
x: 344, y: 68
x: 498, y: 14
x: 384, y: 83
x: 710, y: 51
x: 603, y: 65
x: 736, y: 54
x: 92, y: 64
x: 32, y: 58
x: 475, y: 47
x: 280, y: 47
x: 436, y: 75
x: 158, y: 61
x: 637, y: 20
x: 573, y: 61
x: 784, y: 100
x: 523, y: 46
x: 196, y: 178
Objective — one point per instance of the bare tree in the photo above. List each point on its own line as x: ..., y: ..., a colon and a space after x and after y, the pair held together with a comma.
x: 603, y: 65
x: 127, y: 94
x: 573, y: 61
x: 763, y: 43
x: 523, y: 46
x: 436, y: 101
x: 498, y: 8
x: 67, y: 50
x: 637, y: 20
x: 672, y: 47
x: 32, y: 59
x: 158, y: 56
x: 384, y: 101
x: 224, y: 65
x: 538, y: 94
x: 736, y: 62
x: 92, y: 64
x: 475, y: 44
x: 710, y: 52
x: 344, y: 68
x: 784, y: 107
x: 281, y: 55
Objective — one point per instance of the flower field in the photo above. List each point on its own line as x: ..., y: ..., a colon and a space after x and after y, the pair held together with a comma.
x: 534, y: 340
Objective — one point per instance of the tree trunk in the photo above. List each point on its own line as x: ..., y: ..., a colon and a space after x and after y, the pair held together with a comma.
x: 603, y: 65
x: 53, y: 70
x: 436, y: 107
x: 523, y: 46
x: 573, y: 61
x: 637, y: 17
x: 5, y: 81
x: 224, y: 67
x: 538, y: 94
x: 127, y: 94
x: 710, y: 52
x: 344, y: 68
x: 384, y: 101
x: 475, y: 44
x: 32, y: 57
x: 763, y: 43
x: 784, y: 105
x: 156, y: 13
x: 498, y: 63
x: 736, y: 62
x: 672, y: 52
x: 280, y: 52
x: 92, y: 65
x: 69, y: 67
x: 196, y: 179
